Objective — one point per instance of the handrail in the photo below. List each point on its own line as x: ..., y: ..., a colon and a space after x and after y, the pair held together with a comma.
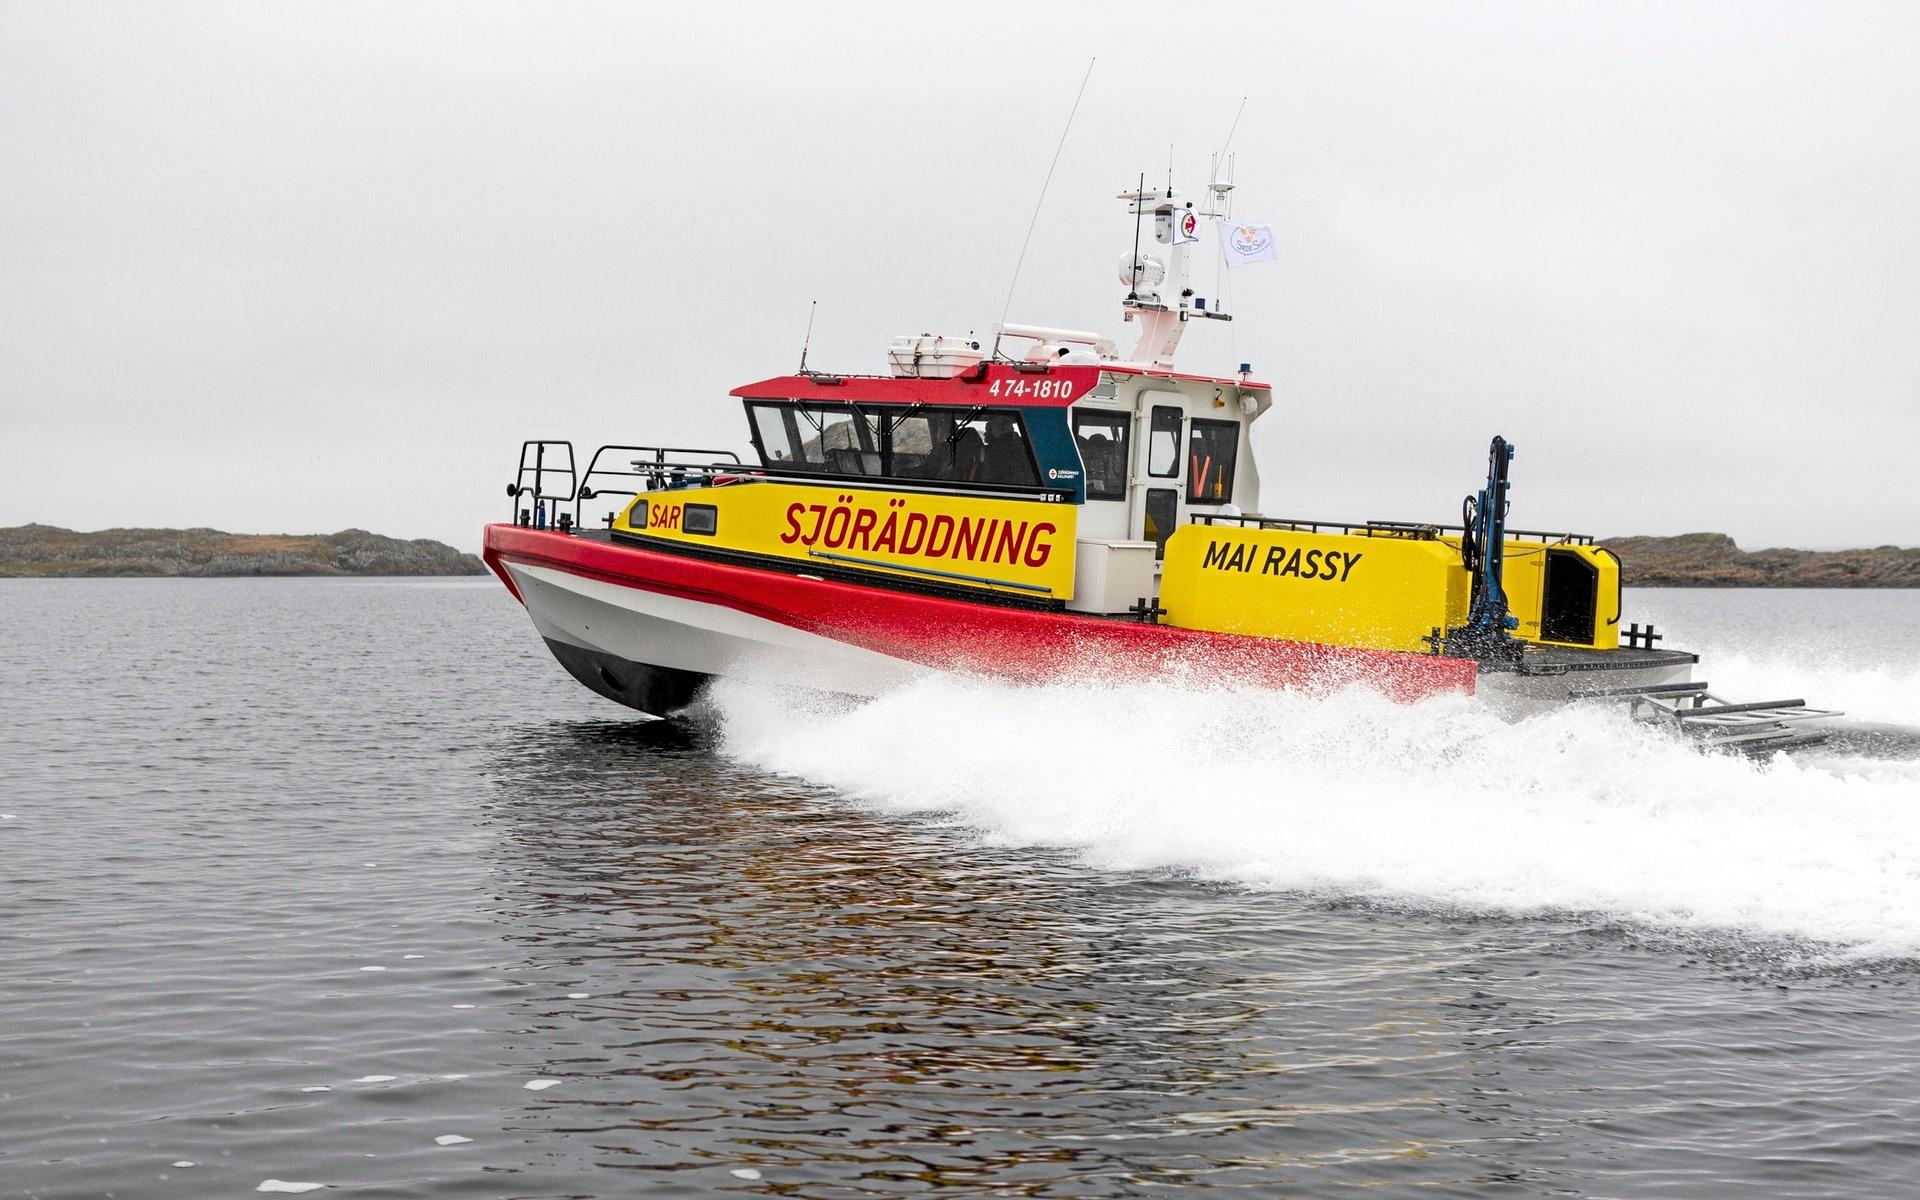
x: 667, y: 468
x: 671, y: 467
x: 679, y: 473
x: 1417, y: 531
x: 908, y: 483
x: 657, y: 472
x: 538, y: 515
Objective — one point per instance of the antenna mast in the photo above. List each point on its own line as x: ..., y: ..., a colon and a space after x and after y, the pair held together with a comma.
x: 812, y: 306
x: 1139, y: 209
x: 1026, y: 241
x: 1219, y: 186
x: 1232, y: 127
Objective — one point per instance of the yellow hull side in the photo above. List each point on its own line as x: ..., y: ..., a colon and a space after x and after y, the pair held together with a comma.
x: 1378, y: 593
x: 1023, y: 546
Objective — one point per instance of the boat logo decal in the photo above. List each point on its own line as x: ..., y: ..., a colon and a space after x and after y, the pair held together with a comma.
x: 663, y: 516
x: 1330, y: 566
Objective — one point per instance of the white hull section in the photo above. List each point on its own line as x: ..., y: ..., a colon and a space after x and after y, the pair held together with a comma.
x: 706, y: 639
x: 710, y: 639
x: 652, y: 651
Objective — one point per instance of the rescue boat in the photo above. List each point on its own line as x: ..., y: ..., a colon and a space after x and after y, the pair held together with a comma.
x: 1043, y: 507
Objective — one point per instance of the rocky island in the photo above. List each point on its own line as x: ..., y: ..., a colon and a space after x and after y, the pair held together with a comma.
x: 49, y: 551
x: 1688, y: 560
x: 1712, y: 560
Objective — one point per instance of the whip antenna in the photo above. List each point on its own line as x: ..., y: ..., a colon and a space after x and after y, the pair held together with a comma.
x: 1133, y: 291
x: 1232, y: 127
x: 812, y: 307
x: 1022, y: 260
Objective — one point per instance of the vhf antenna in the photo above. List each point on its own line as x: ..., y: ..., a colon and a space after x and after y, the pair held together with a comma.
x: 1044, y: 184
x: 1233, y: 127
x: 1133, y: 293
x: 811, y: 307
x: 1218, y: 203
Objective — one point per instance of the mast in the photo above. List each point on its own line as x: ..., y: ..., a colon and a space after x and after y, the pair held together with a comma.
x: 1159, y: 297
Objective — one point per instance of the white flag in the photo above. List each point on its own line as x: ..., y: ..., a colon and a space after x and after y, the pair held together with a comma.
x: 1247, y: 242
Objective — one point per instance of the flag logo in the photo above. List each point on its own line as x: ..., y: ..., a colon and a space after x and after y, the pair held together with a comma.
x: 1247, y: 242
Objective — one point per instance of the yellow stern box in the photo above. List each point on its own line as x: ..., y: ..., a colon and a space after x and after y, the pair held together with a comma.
x: 1563, y: 594
x: 1017, y: 546
x: 1384, y: 592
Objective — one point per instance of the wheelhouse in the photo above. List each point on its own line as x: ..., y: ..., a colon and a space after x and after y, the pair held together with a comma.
x: 1141, y: 451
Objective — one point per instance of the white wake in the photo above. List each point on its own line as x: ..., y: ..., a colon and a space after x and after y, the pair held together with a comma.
x: 1436, y: 804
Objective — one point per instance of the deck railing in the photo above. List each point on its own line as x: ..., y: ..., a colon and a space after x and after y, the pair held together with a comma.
x: 548, y: 492
x: 1410, y: 530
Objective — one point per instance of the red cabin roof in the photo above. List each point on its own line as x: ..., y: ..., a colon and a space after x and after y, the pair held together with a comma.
x: 1038, y: 386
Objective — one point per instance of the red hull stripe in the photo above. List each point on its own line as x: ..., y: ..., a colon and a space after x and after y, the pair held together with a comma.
x: 948, y: 634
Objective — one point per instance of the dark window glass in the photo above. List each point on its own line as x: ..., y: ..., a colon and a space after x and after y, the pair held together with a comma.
x: 1102, y: 439
x: 700, y: 518
x: 963, y: 446
x: 1163, y: 443
x: 1163, y: 512
x: 1007, y: 459
x: 945, y: 444
x: 911, y: 441
x: 1210, y: 454
x: 939, y: 445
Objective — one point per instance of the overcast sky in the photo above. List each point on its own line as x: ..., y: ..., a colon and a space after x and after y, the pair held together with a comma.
x: 295, y: 267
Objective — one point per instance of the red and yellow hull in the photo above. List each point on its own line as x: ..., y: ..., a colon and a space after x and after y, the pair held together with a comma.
x: 646, y: 627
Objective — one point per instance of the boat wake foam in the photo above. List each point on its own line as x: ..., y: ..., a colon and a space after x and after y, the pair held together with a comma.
x: 1438, y: 805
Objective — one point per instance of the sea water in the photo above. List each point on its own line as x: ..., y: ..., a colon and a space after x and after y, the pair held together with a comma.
x: 346, y: 884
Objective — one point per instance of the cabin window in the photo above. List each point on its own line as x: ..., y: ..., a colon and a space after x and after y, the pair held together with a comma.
x: 1007, y: 459
x: 963, y: 446
x: 911, y: 443
x: 849, y: 441
x: 949, y: 445
x: 774, y: 435
x: 836, y: 439
x: 1102, y: 440
x: 1163, y: 513
x: 701, y: 518
x: 1210, y: 455
x: 787, y: 441
x: 1163, y: 443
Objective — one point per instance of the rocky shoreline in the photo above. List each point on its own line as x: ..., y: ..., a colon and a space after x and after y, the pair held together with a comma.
x: 1688, y: 560
x: 1713, y: 560
x: 47, y: 551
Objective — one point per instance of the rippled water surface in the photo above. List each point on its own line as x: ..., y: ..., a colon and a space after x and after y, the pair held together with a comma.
x: 348, y: 884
